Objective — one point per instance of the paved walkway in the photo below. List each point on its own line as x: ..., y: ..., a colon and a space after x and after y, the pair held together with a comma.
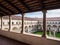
x: 7, y: 41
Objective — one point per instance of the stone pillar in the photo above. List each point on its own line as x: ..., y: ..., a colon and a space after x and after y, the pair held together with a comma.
x: 10, y: 23
x: 44, y: 22
x: 50, y: 33
x: 1, y: 22
x: 22, y: 23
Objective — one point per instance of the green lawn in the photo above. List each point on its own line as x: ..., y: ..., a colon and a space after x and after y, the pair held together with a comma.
x: 40, y: 33
x: 58, y: 35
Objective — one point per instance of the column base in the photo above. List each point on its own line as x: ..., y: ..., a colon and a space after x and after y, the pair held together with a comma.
x: 44, y: 35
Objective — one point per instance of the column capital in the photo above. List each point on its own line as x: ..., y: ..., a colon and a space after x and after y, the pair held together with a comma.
x: 44, y: 11
x: 22, y: 13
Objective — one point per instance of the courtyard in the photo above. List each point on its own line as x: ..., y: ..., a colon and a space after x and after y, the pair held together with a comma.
x: 40, y: 33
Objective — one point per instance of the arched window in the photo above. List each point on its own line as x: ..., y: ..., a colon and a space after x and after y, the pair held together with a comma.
x: 26, y: 27
x: 48, y: 25
x: 14, y: 28
x: 54, y: 26
x: 16, y: 22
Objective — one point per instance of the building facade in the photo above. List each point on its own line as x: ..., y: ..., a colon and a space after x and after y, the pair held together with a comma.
x: 31, y: 24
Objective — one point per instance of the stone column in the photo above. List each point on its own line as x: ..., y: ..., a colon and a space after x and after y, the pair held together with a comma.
x: 49, y: 32
x: 1, y: 22
x: 44, y: 22
x: 10, y: 23
x: 22, y: 23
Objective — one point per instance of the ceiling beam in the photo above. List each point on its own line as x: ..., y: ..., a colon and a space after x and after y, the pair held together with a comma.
x: 24, y: 4
x: 54, y: 3
x: 51, y: 1
x: 52, y: 7
x: 6, y: 8
x: 4, y: 12
x: 42, y: 5
x: 1, y: 14
x: 19, y: 11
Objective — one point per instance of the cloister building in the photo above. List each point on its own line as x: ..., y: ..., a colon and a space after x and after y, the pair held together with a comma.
x: 30, y: 24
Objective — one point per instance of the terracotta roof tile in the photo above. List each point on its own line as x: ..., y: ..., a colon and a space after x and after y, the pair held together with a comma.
x: 33, y: 19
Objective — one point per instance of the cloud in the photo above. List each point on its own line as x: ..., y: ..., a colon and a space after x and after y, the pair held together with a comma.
x: 53, y: 13
x: 50, y: 13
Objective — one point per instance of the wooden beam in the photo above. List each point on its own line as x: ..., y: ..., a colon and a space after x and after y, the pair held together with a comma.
x: 3, y: 12
x: 46, y: 2
x: 14, y: 6
x: 6, y: 8
x: 44, y: 23
x: 23, y: 3
x: 42, y: 5
x: 49, y: 4
x: 53, y: 7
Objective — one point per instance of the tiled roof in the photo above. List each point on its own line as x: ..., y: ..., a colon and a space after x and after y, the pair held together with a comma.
x: 33, y: 19
x: 53, y: 19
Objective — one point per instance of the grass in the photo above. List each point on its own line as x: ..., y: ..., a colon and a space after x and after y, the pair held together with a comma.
x: 40, y: 33
x: 58, y: 35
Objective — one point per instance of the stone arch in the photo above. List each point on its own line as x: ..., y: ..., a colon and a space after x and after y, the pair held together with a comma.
x: 26, y: 28
x: 6, y: 29
x: 48, y: 25
x: 58, y: 29
x: 39, y: 26
x: 29, y: 26
x: 14, y: 28
x: 53, y: 30
x: 54, y: 26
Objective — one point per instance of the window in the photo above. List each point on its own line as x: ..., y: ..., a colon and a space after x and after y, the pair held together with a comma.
x: 3, y: 23
x: 16, y: 22
x: 12, y: 23
x: 59, y: 22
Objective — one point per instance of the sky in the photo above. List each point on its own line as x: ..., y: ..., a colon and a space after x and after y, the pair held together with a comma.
x: 50, y: 13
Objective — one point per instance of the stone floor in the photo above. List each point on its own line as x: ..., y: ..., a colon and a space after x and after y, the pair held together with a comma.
x: 7, y: 41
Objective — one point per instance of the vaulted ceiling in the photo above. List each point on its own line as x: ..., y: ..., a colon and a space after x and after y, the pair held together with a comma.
x: 11, y: 7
